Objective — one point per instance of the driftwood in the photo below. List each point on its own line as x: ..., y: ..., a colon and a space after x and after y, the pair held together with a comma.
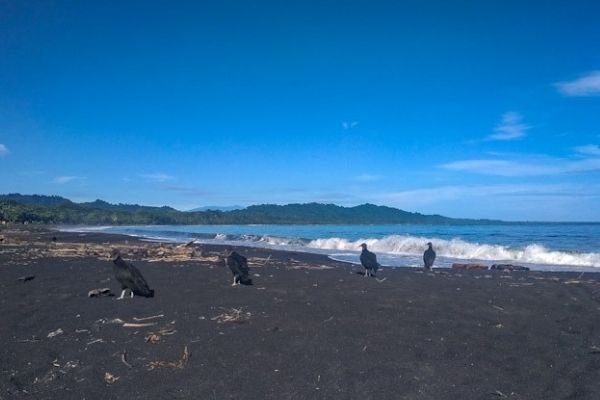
x: 509, y: 267
x: 180, y: 364
x: 469, y: 266
x: 100, y: 292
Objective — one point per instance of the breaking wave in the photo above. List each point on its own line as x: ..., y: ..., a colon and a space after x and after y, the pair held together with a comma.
x: 459, y: 249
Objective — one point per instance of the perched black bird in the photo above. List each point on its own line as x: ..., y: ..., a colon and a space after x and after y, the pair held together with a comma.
x: 368, y: 260
x: 429, y: 256
x: 239, y: 268
x: 129, y: 277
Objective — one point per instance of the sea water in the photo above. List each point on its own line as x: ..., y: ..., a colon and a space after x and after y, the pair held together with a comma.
x: 540, y: 246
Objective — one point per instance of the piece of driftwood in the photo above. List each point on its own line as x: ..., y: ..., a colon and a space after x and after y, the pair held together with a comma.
x: 101, y: 292
x: 509, y: 267
x: 179, y: 364
x: 469, y: 266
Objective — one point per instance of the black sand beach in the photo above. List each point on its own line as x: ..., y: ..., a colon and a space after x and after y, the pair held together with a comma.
x: 309, y: 327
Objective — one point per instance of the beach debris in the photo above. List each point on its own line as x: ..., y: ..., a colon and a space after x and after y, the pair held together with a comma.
x: 110, y: 378
x: 55, y: 333
x: 232, y: 315
x: 380, y: 280
x: 119, y: 321
x: 155, y: 337
x: 101, y: 292
x: 124, y: 359
x: 521, y: 284
x: 152, y: 338
x: 179, y: 364
x: 32, y: 340
x: 258, y: 261
x: 594, y: 350
x: 499, y: 393
x: 26, y: 278
x: 94, y: 341
x: 509, y: 267
x: 469, y: 266
x: 47, y: 378
x: 572, y: 282
x: 136, y: 319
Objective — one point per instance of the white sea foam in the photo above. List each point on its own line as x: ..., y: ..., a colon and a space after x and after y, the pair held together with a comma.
x: 461, y: 250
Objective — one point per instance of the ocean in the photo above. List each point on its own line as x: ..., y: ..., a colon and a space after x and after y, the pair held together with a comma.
x: 540, y: 246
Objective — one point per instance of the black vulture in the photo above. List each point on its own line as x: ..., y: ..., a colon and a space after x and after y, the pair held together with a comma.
x: 368, y: 260
x: 429, y: 256
x: 239, y: 268
x: 129, y: 277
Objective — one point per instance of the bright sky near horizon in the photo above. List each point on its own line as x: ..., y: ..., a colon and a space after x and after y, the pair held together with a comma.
x: 479, y: 109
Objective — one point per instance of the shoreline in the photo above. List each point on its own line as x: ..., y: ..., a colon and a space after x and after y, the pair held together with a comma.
x: 309, y: 327
x: 446, y: 262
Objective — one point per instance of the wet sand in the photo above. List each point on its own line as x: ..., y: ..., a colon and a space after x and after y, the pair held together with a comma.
x: 309, y: 327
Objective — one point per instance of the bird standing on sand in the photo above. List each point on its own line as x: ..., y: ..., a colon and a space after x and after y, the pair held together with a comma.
x: 429, y: 256
x: 238, y: 265
x: 129, y: 277
x: 368, y: 260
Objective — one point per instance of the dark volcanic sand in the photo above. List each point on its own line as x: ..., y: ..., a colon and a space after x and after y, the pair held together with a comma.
x: 310, y: 333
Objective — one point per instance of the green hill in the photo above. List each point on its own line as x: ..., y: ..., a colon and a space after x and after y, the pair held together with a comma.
x: 17, y: 208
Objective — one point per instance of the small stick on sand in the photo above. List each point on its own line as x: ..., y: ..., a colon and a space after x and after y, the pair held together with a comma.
x: 147, y: 318
x: 124, y: 359
x: 134, y: 325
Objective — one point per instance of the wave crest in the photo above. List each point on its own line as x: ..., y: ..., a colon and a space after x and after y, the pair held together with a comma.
x: 460, y: 249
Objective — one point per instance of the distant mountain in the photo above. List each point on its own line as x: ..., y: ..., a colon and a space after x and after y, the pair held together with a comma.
x: 58, y: 210
x: 216, y: 208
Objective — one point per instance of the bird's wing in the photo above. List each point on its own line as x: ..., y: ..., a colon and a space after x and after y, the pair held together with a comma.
x: 139, y: 283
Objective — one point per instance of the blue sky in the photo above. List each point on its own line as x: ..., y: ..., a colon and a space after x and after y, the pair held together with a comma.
x: 482, y: 109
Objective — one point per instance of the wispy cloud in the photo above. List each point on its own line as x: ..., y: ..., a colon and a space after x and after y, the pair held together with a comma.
x: 589, y: 149
x: 157, y: 177
x: 3, y: 150
x: 349, y: 125
x: 586, y: 85
x: 452, y: 192
x: 367, y: 178
x: 61, y: 180
x: 511, y: 127
x: 533, y: 167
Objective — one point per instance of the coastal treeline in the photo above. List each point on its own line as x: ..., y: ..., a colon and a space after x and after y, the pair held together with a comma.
x: 16, y: 208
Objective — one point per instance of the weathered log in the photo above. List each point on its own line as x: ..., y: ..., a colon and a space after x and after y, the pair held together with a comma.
x: 469, y: 266
x: 509, y: 267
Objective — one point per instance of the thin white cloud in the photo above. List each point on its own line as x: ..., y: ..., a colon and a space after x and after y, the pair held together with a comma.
x: 586, y: 85
x: 3, y: 150
x: 368, y: 178
x: 157, y: 177
x: 61, y: 180
x: 516, y: 168
x: 589, y: 149
x: 511, y: 127
x: 349, y: 125
x: 452, y: 192
x: 539, y: 167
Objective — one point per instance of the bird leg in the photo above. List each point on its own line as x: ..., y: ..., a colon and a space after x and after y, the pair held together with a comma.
x: 122, y: 295
x: 234, y: 281
x: 131, y: 293
x: 366, y: 273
